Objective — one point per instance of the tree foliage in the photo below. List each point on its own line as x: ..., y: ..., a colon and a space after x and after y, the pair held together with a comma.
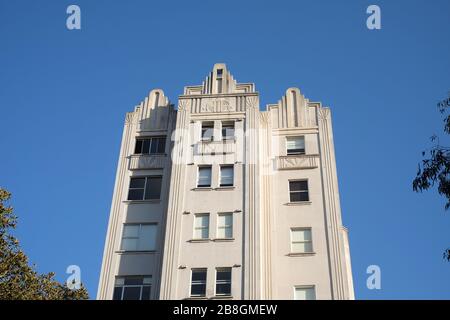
x: 19, y: 280
x: 435, y: 170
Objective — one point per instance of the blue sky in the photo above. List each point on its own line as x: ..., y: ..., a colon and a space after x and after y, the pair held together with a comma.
x: 64, y: 94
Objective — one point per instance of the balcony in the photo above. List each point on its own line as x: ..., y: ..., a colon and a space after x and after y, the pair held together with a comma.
x: 147, y: 161
x: 215, y: 147
x: 296, y: 162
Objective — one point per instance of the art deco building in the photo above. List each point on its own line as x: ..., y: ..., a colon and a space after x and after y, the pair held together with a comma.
x: 216, y: 199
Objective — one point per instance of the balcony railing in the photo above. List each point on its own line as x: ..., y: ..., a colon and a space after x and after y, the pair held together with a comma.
x: 147, y: 161
x: 216, y: 147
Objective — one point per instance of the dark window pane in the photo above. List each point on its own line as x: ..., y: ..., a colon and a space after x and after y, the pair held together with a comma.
x: 296, y: 151
x: 223, y: 289
x: 298, y: 185
x: 137, y: 183
x: 161, y: 145
x: 295, y: 196
x: 136, y: 194
x: 224, y: 275
x: 204, y: 185
x: 138, y: 147
x: 304, y: 196
x: 299, y: 196
x: 198, y: 289
x: 146, y: 292
x: 133, y: 280
x: 146, y: 146
x: 303, y: 185
x: 198, y: 275
x: 153, y: 188
x: 294, y: 186
x: 117, y: 295
x: 154, y: 146
x: 131, y: 293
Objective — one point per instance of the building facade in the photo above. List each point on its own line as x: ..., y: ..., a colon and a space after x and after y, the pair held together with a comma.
x: 217, y: 199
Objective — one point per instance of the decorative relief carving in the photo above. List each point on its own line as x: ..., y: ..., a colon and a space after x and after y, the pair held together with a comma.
x: 217, y: 105
x: 297, y: 162
x: 138, y: 162
x: 324, y: 113
x: 251, y: 102
x: 184, y: 104
x: 265, y: 117
x: 129, y: 117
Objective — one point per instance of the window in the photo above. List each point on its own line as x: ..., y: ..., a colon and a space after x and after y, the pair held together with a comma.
x: 298, y: 191
x: 219, y: 80
x: 304, y: 293
x: 223, y: 281
x: 225, y: 226
x: 139, y: 237
x: 132, y: 288
x: 153, y: 145
x: 227, y: 130
x: 295, y: 145
x: 198, y: 282
x: 145, y: 188
x: 301, y: 240
x: 201, y: 226
x: 204, y: 176
x: 207, y: 130
x: 226, y: 175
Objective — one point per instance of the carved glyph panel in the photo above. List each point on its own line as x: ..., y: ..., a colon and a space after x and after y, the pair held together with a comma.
x: 218, y: 105
x: 297, y: 162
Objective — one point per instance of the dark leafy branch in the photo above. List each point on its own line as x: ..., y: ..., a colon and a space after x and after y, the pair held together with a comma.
x: 18, y: 279
x: 435, y: 170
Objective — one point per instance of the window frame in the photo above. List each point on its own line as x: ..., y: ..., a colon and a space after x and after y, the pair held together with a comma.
x: 294, y: 229
x: 299, y: 191
x: 220, y: 175
x: 195, y: 228
x: 205, y: 126
x: 202, y: 282
x: 141, y: 286
x: 295, y: 151
x: 138, y: 239
x: 225, y: 227
x: 223, y: 282
x: 313, y: 287
x: 226, y: 124
x: 147, y: 178
x: 210, y: 176
x: 219, y: 80
x: 151, y: 139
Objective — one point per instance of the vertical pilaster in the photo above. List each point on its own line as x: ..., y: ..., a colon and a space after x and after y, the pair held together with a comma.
x: 171, y: 123
x: 332, y: 207
x: 252, y: 222
x: 176, y: 202
x: 107, y: 270
x: 266, y: 205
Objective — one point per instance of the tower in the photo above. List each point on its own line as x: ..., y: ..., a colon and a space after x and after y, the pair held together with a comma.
x: 219, y: 200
